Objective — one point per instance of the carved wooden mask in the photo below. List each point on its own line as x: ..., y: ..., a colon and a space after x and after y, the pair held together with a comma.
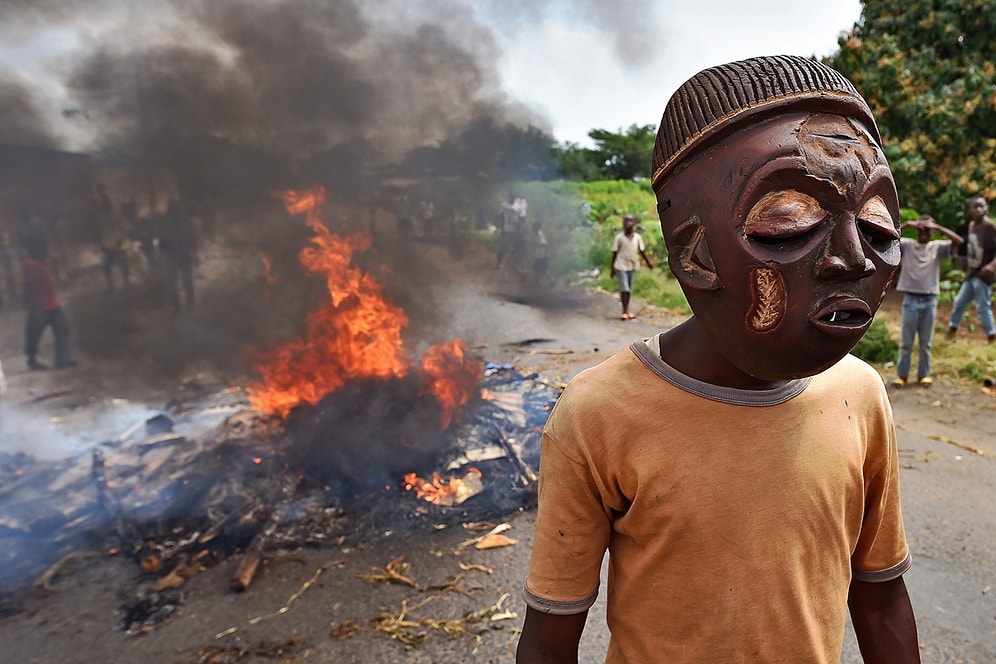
x: 784, y: 236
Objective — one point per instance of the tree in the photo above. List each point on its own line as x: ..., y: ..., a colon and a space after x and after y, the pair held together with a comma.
x: 624, y: 155
x: 578, y: 163
x: 927, y: 69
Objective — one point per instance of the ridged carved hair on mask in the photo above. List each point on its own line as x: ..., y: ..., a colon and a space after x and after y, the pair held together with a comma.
x: 718, y: 100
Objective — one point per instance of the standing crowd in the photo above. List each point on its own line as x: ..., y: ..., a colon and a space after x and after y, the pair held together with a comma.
x: 165, y: 242
x: 974, y: 247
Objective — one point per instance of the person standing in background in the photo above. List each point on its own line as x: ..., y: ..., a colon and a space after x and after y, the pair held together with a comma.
x: 627, y: 250
x: 541, y: 255
x: 43, y: 307
x: 178, y: 250
x: 113, y: 234
x: 511, y: 242
x: 919, y: 282
x: 980, y: 271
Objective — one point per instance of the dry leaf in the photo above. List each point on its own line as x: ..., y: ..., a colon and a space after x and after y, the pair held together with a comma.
x: 494, y: 541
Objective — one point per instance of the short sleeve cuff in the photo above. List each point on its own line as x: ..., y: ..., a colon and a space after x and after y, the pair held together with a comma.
x: 889, y: 574
x: 558, y: 607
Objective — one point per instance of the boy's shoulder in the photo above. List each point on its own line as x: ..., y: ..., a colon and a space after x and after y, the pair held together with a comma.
x: 618, y: 379
x: 854, y: 374
x: 615, y: 367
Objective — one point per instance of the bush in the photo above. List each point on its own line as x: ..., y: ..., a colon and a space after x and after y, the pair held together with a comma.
x: 877, y: 346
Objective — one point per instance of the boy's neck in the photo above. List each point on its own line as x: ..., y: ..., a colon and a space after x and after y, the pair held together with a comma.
x: 688, y: 349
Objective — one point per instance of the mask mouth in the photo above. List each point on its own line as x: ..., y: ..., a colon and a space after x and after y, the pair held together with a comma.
x: 843, y: 318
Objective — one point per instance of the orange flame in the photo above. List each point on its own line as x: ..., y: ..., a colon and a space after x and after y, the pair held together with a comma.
x: 357, y: 334
x: 449, y: 376
x: 438, y: 491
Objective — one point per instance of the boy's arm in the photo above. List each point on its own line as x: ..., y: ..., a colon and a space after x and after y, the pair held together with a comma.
x: 989, y: 269
x: 550, y: 639
x: 646, y: 260
x: 883, y: 622
x: 956, y: 240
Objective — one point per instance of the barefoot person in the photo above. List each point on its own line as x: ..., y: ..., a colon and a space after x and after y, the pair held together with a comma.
x: 750, y: 496
x: 627, y: 250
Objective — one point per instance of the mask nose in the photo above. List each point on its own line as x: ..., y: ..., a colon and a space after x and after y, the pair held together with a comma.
x: 843, y: 257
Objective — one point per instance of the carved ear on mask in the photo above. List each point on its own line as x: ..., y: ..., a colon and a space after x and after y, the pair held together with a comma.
x: 694, y: 266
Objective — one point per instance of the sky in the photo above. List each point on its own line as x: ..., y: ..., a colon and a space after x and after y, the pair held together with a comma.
x: 583, y: 74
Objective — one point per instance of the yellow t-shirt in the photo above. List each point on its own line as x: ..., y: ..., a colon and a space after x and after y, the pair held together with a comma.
x: 734, y: 519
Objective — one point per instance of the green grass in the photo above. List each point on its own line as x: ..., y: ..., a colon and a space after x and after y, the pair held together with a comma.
x: 656, y: 287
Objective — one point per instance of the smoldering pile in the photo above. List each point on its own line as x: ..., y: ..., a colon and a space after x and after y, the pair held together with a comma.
x: 166, y: 491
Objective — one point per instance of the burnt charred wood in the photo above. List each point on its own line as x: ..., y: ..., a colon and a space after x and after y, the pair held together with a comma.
x: 253, y: 554
x: 527, y: 474
x: 251, y: 559
x: 151, y: 610
x: 128, y: 536
x: 367, y: 434
x: 158, y: 424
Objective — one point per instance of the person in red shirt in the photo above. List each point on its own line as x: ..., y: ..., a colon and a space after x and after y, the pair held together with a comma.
x: 43, y: 307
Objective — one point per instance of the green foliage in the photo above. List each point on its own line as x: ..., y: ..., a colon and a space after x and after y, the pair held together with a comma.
x: 624, y: 155
x: 927, y: 69
x: 964, y: 359
x: 951, y: 279
x: 609, y: 201
x: 908, y: 214
x: 577, y: 163
x: 661, y: 289
x: 877, y: 345
x: 972, y: 371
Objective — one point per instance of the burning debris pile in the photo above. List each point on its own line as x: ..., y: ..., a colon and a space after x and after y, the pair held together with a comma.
x: 341, y: 438
x: 360, y: 411
x: 175, y: 501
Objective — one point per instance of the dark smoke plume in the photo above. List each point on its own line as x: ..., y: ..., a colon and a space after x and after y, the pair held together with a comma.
x: 220, y: 103
x: 21, y: 122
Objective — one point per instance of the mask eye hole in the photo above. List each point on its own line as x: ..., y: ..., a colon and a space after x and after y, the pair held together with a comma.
x: 876, y: 223
x: 783, y: 217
